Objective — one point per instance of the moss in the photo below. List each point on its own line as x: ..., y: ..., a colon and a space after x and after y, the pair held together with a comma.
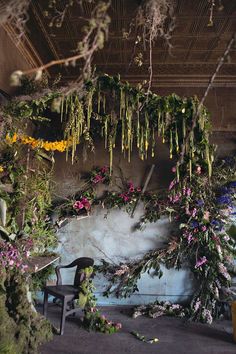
x: 32, y: 328
x: 22, y: 329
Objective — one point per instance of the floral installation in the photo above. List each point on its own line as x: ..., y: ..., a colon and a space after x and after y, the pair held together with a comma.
x: 200, y: 211
x: 13, y: 256
x: 158, y: 309
x: 60, y: 146
x: 82, y: 203
x: 100, y: 175
x: 127, y: 199
x: 93, y: 319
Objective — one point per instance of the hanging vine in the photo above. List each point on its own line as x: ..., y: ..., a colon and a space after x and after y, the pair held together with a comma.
x: 142, y: 119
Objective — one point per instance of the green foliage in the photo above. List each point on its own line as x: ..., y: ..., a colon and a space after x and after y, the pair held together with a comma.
x: 112, y: 110
x: 93, y: 320
x: 31, y: 328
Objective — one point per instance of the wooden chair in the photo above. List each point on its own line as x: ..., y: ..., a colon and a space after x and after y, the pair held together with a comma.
x: 66, y: 293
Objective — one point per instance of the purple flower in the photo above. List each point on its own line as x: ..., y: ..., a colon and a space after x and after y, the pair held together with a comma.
x: 200, y: 262
x: 224, y: 199
x: 200, y: 202
x: 194, y: 224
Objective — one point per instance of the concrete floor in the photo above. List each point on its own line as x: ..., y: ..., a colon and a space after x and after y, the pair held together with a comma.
x: 176, y: 336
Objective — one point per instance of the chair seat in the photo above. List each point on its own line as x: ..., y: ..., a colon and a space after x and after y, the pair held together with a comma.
x: 68, y: 291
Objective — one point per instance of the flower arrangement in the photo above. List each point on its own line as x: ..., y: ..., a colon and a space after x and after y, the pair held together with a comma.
x: 159, y: 308
x: 82, y: 203
x: 200, y: 211
x: 93, y: 319
x: 13, y: 256
x: 60, y: 146
x: 100, y: 175
x: 126, y: 199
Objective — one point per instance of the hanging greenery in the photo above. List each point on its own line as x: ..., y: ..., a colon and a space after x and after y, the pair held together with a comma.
x: 114, y: 110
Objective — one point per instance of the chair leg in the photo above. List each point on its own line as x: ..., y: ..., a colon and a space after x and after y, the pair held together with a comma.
x: 63, y: 316
x: 45, y: 303
x: 73, y: 307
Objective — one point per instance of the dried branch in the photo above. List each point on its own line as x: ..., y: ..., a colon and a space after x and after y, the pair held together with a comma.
x: 96, y: 33
x: 14, y: 12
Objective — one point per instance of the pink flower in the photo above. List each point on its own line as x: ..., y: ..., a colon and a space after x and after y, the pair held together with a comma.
x: 173, y: 169
x: 204, y: 228
x: 78, y: 205
x: 139, y: 189
x: 206, y: 215
x: 104, y: 169
x: 190, y: 238
x: 198, y: 170
x: 187, y: 211
x: 118, y: 325
x: 98, y: 178
x: 86, y: 203
x: 188, y: 192
x: 176, y: 198
x: 131, y: 187
x: 200, y: 262
x: 172, y: 184
x: 125, y: 197
x: 194, y: 212
x: 82, y: 203
x: 11, y: 262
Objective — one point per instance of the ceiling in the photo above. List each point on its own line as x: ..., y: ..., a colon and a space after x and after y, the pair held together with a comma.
x: 193, y: 59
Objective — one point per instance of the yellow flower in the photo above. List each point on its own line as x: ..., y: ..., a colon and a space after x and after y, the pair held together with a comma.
x: 61, y: 145
x: 11, y: 139
x: 1, y: 169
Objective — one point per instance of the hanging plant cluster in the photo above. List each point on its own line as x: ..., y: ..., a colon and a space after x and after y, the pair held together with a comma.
x: 127, y: 116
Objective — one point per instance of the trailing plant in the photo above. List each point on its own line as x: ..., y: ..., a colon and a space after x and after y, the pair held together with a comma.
x: 93, y: 319
x: 131, y: 116
x: 154, y: 19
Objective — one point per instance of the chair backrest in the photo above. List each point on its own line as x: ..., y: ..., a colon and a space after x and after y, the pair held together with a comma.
x: 81, y: 263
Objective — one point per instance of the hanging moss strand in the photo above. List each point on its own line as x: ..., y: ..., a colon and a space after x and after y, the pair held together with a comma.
x: 171, y: 144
